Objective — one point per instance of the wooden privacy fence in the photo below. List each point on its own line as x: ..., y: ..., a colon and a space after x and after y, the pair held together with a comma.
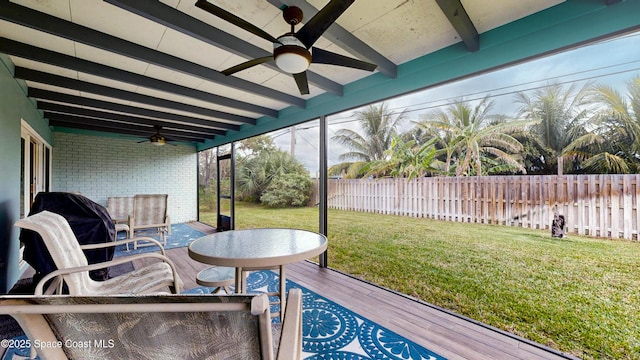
x: 595, y: 205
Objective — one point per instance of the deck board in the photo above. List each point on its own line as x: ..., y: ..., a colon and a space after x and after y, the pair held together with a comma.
x: 449, y: 335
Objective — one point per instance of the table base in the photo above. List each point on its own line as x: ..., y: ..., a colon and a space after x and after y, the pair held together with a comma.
x: 241, y: 285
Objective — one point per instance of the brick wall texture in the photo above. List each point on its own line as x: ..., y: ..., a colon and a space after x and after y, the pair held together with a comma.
x: 99, y: 167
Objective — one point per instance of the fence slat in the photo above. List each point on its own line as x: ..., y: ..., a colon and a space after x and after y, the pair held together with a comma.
x: 627, y: 207
x: 615, y: 206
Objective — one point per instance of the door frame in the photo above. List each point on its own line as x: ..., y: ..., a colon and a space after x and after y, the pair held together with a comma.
x: 35, y: 171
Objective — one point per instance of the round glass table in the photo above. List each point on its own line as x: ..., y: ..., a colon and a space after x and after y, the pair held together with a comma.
x: 253, y: 249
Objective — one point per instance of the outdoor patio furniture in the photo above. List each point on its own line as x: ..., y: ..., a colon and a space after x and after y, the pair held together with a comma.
x: 158, y: 326
x: 73, y: 269
x: 217, y: 277
x: 256, y: 249
x: 120, y: 208
x: 150, y: 212
x: 89, y: 221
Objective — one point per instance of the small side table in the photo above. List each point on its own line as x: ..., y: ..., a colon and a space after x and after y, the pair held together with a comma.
x: 219, y: 277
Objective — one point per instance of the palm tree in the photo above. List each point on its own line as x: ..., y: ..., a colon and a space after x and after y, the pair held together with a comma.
x: 378, y: 127
x: 406, y: 159
x: 472, y: 143
x: 561, y: 114
x: 614, y: 145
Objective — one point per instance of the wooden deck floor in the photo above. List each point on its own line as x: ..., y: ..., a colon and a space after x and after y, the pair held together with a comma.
x: 448, y: 334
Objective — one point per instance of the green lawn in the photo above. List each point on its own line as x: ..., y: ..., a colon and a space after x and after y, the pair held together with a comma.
x: 577, y: 294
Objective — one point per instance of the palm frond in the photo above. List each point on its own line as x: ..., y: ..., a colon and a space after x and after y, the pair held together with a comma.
x: 606, y: 163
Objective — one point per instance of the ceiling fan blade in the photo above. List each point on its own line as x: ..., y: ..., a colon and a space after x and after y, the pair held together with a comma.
x: 320, y: 56
x: 301, y: 81
x: 246, y: 65
x: 314, y: 28
x: 229, y: 17
x: 139, y: 142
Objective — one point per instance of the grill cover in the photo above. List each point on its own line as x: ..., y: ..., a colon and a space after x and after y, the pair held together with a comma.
x: 89, y: 221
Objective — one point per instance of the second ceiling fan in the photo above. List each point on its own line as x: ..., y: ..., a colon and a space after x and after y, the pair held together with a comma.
x: 293, y: 52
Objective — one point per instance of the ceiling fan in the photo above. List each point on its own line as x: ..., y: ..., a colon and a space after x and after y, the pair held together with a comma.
x: 293, y: 52
x: 157, y: 138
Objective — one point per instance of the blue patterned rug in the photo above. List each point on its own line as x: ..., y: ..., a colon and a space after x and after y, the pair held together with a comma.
x: 329, y: 330
x: 181, y: 235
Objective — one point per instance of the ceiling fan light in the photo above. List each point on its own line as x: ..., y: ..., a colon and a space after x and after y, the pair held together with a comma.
x: 292, y: 63
x: 290, y: 55
x: 157, y: 141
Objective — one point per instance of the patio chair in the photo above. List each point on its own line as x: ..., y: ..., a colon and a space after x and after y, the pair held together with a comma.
x: 73, y: 269
x: 150, y: 212
x: 120, y: 209
x: 158, y: 327
x: 89, y: 221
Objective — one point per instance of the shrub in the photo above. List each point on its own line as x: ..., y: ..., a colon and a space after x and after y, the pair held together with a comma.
x: 288, y: 190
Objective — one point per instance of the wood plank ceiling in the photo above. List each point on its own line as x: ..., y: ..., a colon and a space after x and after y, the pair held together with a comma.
x: 129, y: 66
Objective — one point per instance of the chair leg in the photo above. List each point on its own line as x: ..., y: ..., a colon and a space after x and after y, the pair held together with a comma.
x: 127, y: 232
x: 128, y: 236
x: 163, y: 237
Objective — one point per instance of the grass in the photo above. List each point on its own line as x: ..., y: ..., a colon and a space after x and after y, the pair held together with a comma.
x: 578, y: 295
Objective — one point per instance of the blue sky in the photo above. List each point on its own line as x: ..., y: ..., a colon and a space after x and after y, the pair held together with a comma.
x: 612, y: 62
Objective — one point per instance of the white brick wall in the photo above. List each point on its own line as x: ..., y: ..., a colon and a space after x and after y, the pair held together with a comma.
x: 99, y: 167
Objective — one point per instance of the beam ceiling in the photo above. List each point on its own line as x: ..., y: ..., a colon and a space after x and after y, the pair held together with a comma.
x: 458, y: 17
x: 127, y: 66
x: 177, y: 20
x: 69, y: 30
x: 84, y: 86
x: 61, y: 60
x: 37, y: 93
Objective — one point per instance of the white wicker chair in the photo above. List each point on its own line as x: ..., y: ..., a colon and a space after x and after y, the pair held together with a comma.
x: 73, y: 269
x: 158, y: 327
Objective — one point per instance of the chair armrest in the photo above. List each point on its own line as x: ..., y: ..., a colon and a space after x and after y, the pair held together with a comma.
x: 102, y: 265
x: 290, y: 347
x: 34, y: 325
x: 116, y: 243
